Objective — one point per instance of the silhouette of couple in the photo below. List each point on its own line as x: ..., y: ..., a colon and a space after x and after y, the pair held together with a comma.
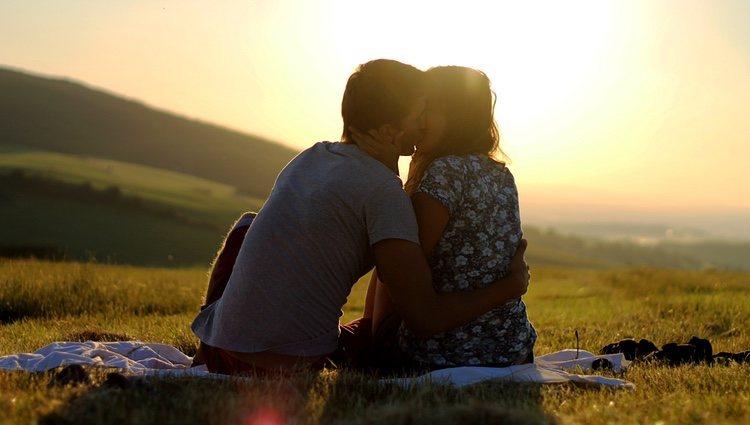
x: 447, y: 246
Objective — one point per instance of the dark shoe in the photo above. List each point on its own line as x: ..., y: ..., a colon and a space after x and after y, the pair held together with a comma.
x: 645, y: 347
x: 73, y: 375
x: 703, y: 348
x: 630, y: 348
x: 116, y: 381
x: 673, y: 354
x: 601, y: 364
x: 726, y: 358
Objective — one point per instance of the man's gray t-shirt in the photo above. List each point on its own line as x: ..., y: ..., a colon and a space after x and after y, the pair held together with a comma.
x: 309, y: 244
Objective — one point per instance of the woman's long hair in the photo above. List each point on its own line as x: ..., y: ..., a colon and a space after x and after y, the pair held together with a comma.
x: 464, y: 96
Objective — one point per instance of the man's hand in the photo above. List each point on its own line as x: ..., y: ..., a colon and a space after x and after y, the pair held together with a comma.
x: 383, y: 144
x: 518, y: 272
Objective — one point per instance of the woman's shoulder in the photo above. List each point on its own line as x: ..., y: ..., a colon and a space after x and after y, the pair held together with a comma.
x: 450, y: 165
x: 470, y: 162
x: 453, y: 161
x: 458, y: 162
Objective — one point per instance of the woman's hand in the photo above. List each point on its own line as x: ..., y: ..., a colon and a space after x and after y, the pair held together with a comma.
x: 383, y: 144
x: 417, y: 168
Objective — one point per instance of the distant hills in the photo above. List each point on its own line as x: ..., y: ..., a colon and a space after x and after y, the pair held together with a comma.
x: 85, y: 175
x: 549, y: 246
x: 67, y: 117
x: 594, y: 213
x: 65, y: 206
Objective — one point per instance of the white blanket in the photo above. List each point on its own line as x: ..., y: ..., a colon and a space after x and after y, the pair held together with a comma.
x: 132, y: 357
x: 149, y: 359
x: 547, y: 369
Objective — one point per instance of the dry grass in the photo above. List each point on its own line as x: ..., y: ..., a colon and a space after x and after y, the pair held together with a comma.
x: 51, y: 302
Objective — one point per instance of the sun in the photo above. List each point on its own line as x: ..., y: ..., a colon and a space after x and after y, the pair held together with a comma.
x: 541, y: 59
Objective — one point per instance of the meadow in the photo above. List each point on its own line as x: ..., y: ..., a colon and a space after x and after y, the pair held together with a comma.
x: 41, y: 302
x: 78, y: 207
x: 199, y: 199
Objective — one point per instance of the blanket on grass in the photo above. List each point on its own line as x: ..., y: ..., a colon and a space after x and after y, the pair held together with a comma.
x: 132, y: 357
x: 150, y: 359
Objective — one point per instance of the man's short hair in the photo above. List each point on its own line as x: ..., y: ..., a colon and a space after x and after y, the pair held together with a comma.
x: 379, y: 92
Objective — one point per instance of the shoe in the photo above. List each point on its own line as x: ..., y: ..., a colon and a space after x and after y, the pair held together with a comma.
x: 630, y: 348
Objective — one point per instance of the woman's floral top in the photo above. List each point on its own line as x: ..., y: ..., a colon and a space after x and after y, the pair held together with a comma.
x: 475, y: 250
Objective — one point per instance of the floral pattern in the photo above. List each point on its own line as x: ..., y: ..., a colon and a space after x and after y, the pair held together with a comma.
x: 475, y: 250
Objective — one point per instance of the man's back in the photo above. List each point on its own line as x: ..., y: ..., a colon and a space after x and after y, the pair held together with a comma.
x: 309, y: 244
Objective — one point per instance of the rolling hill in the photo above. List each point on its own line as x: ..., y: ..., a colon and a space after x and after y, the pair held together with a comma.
x: 67, y: 117
x: 62, y: 206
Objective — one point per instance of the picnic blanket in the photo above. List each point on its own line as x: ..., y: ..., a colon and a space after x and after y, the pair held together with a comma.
x: 151, y: 359
x: 132, y: 357
x: 553, y: 368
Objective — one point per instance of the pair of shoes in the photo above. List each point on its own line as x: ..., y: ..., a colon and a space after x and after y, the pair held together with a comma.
x: 632, y: 349
x: 697, y: 350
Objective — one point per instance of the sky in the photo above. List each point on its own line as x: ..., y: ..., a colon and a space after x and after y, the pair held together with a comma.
x: 635, y: 105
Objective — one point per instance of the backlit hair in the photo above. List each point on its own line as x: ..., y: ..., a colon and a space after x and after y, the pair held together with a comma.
x: 465, y: 97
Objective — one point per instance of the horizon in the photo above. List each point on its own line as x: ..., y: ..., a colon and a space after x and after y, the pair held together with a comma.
x: 637, y: 106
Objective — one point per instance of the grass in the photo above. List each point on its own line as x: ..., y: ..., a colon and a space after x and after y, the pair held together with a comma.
x: 43, y: 302
x: 201, y: 199
x: 195, y: 212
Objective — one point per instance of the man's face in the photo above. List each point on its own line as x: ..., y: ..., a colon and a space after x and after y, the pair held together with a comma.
x: 413, y: 126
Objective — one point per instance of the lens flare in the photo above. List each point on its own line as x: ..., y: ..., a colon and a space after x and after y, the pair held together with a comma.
x: 264, y: 416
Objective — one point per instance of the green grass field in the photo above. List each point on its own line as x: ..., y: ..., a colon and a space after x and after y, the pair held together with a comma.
x: 200, y: 199
x: 179, y: 220
x: 41, y: 302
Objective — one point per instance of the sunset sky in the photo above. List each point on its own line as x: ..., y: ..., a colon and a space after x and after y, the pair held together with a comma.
x: 643, y: 103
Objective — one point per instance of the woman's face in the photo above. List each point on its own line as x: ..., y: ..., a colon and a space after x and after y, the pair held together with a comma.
x: 435, y: 122
x: 413, y: 126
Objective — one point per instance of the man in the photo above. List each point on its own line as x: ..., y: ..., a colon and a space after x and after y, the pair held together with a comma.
x: 336, y: 211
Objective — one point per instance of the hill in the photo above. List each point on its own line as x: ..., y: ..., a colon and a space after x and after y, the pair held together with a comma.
x: 550, y: 247
x: 67, y: 117
x: 65, y: 207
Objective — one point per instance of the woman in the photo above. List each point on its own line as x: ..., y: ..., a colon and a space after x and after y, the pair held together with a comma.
x: 466, y: 205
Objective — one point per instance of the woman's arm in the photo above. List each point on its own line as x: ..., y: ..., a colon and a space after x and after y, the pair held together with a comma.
x: 432, y: 217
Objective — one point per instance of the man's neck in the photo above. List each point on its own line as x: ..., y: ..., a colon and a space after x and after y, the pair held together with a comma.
x: 388, y: 162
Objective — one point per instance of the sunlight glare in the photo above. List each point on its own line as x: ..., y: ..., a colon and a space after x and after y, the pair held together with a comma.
x: 541, y: 59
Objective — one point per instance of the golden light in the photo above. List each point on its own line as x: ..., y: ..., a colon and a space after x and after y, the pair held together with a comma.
x: 542, y: 59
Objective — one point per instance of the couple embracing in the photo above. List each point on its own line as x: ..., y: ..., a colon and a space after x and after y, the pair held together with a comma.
x: 447, y: 246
